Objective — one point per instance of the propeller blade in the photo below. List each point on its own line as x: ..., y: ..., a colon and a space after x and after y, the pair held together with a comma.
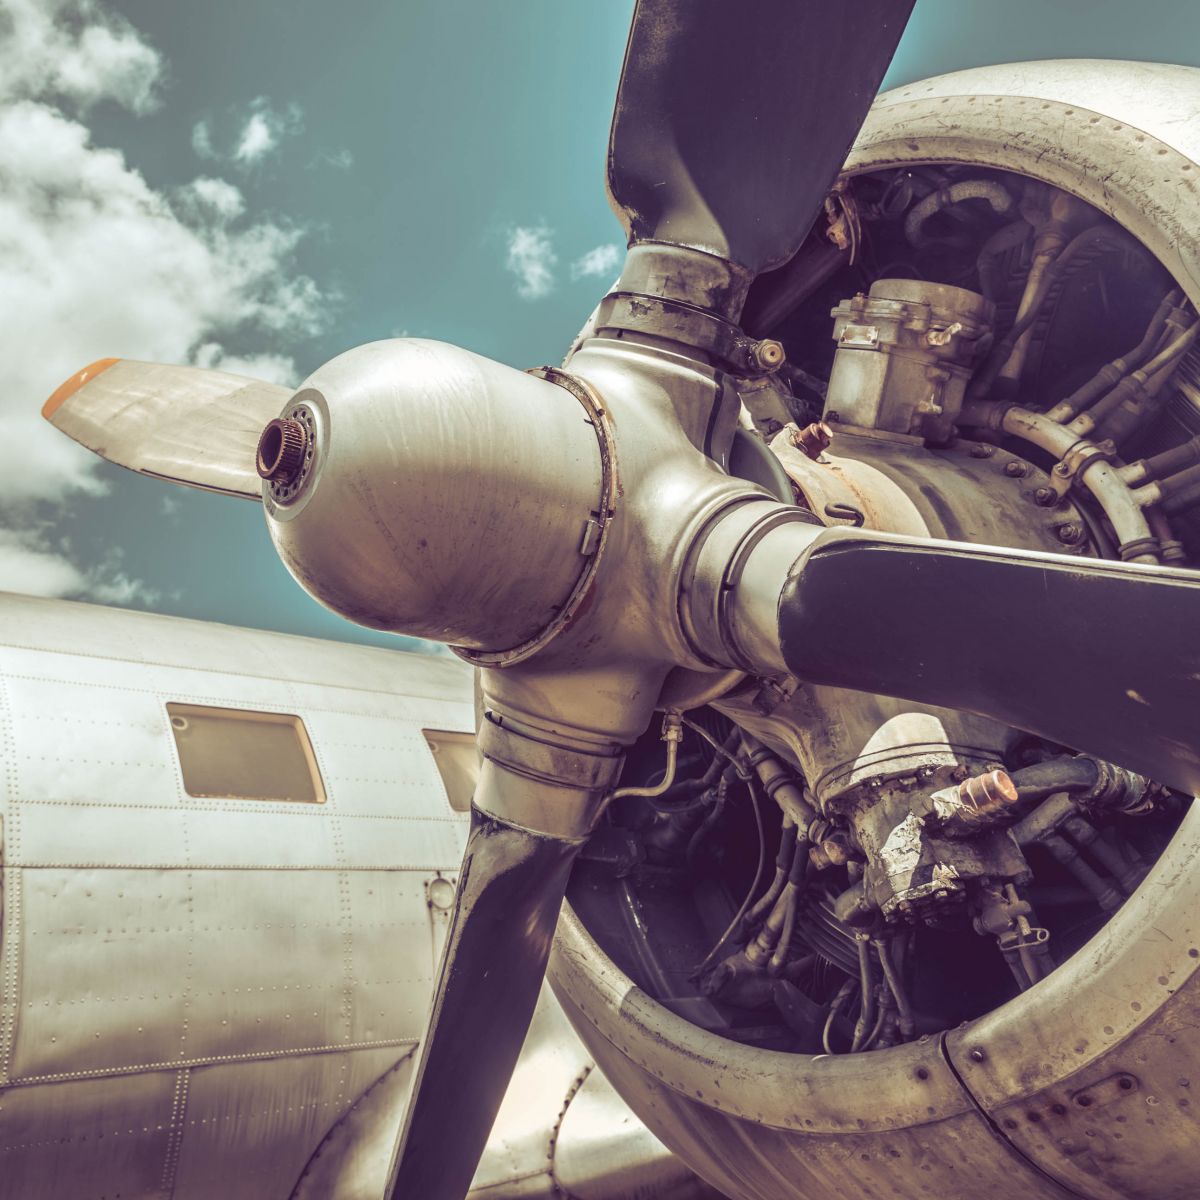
x: 183, y: 424
x: 1103, y: 657
x: 509, y: 893
x: 733, y: 120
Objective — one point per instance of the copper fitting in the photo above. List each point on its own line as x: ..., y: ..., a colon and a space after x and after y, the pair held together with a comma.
x: 977, y: 804
x: 991, y: 790
x: 813, y: 439
x: 281, y: 450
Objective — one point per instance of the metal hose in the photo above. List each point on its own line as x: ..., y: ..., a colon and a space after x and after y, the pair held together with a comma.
x: 966, y: 189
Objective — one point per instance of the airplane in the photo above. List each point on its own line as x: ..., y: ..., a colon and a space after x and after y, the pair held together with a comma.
x: 854, y: 533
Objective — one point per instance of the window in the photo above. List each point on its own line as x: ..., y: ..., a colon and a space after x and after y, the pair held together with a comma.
x: 458, y: 762
x: 236, y: 754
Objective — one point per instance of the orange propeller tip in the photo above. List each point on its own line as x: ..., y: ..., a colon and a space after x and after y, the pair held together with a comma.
x: 67, y: 389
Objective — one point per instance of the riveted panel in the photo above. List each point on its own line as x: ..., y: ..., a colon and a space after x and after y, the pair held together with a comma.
x: 104, y: 970
x: 251, y: 1128
x: 88, y: 743
x: 376, y: 765
x: 389, y: 965
x: 90, y: 1140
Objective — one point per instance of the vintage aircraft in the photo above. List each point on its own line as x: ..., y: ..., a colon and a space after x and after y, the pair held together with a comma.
x: 905, y: 608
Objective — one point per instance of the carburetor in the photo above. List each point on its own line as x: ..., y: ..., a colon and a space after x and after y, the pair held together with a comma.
x: 904, y: 354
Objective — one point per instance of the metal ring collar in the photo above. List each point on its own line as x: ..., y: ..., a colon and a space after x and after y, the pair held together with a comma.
x: 595, y: 536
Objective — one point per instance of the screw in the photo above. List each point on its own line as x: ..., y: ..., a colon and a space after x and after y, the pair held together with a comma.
x: 1018, y: 470
x: 1061, y: 469
x: 978, y: 1055
x: 768, y: 355
x: 1046, y: 496
x: 1072, y: 533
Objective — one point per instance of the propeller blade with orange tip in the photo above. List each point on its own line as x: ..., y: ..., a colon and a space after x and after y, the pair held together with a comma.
x: 186, y: 425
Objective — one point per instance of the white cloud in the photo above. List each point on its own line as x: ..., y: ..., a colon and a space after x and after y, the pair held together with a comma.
x: 202, y: 142
x: 531, y: 258
x: 273, y: 368
x: 339, y: 160
x: 216, y: 198
x: 72, y: 50
x: 94, y: 262
x: 263, y: 130
x: 30, y: 564
x: 600, y: 260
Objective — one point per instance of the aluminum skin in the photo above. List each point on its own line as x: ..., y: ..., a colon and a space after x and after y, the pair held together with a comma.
x: 205, y: 997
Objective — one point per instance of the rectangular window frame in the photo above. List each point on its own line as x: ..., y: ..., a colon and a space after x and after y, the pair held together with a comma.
x: 179, y: 709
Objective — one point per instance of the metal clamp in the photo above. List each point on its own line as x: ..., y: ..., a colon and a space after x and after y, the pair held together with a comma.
x: 1076, y: 461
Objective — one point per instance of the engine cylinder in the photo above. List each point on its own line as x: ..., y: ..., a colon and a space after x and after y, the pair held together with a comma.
x: 446, y: 496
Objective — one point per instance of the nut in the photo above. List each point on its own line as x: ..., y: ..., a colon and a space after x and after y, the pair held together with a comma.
x: 1018, y: 470
x: 1046, y: 496
x: 768, y: 355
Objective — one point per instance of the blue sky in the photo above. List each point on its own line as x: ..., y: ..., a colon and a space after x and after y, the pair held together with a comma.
x: 365, y: 170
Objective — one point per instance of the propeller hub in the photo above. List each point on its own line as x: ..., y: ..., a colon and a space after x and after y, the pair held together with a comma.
x: 281, y: 450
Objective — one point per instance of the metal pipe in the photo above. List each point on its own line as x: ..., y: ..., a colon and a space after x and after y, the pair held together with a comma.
x: 1043, y: 820
x: 1103, y: 892
x: 1050, y: 262
x: 783, y: 864
x: 1098, y: 476
x: 1113, y: 372
x: 866, y: 1011
x: 1085, y: 835
x: 1182, y: 500
x: 778, y: 783
x: 908, y: 1024
x: 672, y: 734
x: 791, y: 903
x: 834, y: 1005
x: 1160, y: 466
x: 1121, y: 409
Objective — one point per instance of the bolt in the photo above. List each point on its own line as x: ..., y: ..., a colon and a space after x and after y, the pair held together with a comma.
x: 1018, y: 470
x: 1061, y: 469
x: 1072, y: 533
x: 813, y: 439
x: 982, y: 451
x: 768, y: 355
x: 1046, y: 496
x: 978, y: 1055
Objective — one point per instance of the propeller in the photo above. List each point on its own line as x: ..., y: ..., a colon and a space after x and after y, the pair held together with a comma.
x: 1103, y: 657
x: 183, y: 424
x: 408, y: 486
